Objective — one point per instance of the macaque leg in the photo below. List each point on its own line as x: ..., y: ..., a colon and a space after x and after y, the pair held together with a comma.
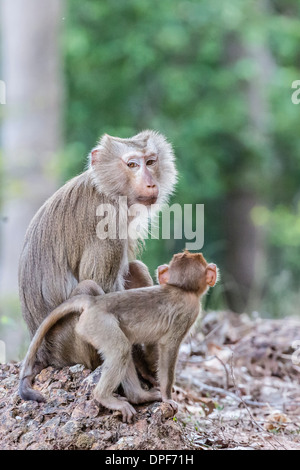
x: 85, y: 287
x: 145, y: 362
x: 138, y: 276
x: 133, y: 390
x: 109, y: 340
x: 166, y: 371
x: 151, y: 351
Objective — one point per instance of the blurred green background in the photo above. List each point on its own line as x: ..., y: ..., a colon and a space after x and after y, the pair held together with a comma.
x: 215, y: 77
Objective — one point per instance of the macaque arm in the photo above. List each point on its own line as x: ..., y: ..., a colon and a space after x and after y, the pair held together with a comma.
x: 137, y: 276
x: 94, y: 268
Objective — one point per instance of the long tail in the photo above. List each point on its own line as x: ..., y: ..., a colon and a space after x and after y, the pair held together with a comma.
x: 75, y: 304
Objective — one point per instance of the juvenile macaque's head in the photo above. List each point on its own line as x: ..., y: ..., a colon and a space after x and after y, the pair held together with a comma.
x: 141, y: 167
x: 189, y: 271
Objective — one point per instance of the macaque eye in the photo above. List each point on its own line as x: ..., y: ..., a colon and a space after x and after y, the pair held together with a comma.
x: 132, y: 165
x: 150, y: 162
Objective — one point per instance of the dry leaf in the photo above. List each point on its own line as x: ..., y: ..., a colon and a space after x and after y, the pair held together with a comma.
x: 276, y: 420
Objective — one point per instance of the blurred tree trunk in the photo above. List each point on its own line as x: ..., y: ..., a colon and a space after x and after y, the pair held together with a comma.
x: 245, y: 245
x: 244, y: 252
x: 31, y: 131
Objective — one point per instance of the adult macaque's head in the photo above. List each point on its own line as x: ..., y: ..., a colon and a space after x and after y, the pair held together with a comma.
x: 141, y: 167
x: 189, y: 271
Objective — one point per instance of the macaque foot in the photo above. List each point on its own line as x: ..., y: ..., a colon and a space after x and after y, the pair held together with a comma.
x: 119, y: 404
x: 155, y: 394
x: 173, y: 404
x: 146, y: 396
x: 128, y: 412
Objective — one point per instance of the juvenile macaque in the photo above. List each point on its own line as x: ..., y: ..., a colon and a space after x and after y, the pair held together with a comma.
x: 112, y: 323
x: 62, y: 248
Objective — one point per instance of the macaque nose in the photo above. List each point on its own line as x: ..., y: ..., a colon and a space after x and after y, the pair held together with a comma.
x: 152, y: 190
x: 149, y: 195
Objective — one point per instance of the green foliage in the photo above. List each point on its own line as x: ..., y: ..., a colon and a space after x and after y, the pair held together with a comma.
x: 282, y: 227
x: 215, y: 77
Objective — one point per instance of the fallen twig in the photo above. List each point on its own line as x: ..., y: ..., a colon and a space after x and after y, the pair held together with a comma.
x: 248, y: 410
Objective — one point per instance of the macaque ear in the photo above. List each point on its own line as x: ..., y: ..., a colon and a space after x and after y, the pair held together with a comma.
x: 95, y: 155
x: 211, y: 274
x: 112, y: 147
x: 163, y: 274
x: 103, y: 147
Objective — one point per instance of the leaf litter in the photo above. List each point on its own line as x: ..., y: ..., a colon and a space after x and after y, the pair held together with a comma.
x: 242, y: 374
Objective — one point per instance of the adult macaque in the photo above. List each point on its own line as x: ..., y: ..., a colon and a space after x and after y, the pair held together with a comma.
x: 112, y: 323
x: 62, y: 248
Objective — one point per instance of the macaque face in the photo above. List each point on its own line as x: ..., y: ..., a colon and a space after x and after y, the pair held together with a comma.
x: 142, y: 172
x: 141, y: 168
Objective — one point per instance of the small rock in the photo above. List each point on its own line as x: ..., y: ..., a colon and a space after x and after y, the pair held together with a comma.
x: 56, y: 384
x: 71, y: 427
x: 7, y: 421
x: 86, y: 409
x: 46, y: 374
x: 88, y: 384
x: 85, y: 441
x: 52, y: 423
x: 29, y: 437
x: 76, y: 369
x: 123, y: 444
x: 163, y: 411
